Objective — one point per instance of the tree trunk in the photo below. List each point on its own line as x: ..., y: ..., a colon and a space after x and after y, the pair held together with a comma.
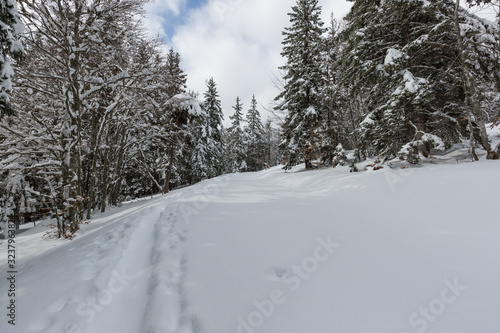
x: 471, y: 96
x: 166, y: 185
x: 309, y: 164
x: 115, y: 193
x: 104, y: 180
x: 94, y: 155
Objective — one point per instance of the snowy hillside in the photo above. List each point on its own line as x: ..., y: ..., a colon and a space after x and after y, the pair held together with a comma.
x: 395, y: 250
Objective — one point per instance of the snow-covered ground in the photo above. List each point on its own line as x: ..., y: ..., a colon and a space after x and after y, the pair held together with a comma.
x: 395, y: 250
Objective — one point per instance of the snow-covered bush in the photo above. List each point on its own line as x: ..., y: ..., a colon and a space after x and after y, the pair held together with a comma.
x: 428, y: 143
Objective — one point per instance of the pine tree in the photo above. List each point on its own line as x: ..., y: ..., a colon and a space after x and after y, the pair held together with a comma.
x: 201, y: 159
x: 212, y: 132
x: 472, y: 99
x: 176, y: 83
x: 236, y: 146
x: 334, y: 128
x: 399, y: 58
x: 272, y: 136
x: 301, y: 95
x: 494, y: 113
x: 255, y: 138
x: 10, y: 47
x: 177, y: 114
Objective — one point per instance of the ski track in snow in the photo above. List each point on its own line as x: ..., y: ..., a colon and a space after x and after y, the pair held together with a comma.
x: 159, y: 272
x: 134, y: 271
x: 166, y: 310
x: 133, y: 267
x: 110, y: 255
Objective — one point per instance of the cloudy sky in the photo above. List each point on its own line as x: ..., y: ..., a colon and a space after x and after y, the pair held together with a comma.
x: 237, y: 42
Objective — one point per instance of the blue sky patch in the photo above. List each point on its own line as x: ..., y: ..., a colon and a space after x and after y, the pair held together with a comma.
x: 172, y: 21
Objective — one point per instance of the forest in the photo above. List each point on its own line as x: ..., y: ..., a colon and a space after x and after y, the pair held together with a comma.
x: 94, y: 112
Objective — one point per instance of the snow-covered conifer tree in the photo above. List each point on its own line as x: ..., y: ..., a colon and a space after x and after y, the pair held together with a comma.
x: 334, y: 126
x: 236, y: 145
x: 472, y: 98
x: 215, y: 145
x: 301, y: 96
x: 202, y: 145
x: 400, y: 59
x: 177, y: 115
x: 272, y: 136
x: 255, y: 138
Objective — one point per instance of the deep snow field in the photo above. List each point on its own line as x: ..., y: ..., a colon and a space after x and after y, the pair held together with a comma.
x: 401, y: 249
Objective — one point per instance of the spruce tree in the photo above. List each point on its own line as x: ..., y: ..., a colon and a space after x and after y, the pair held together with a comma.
x: 237, y: 140
x: 400, y: 58
x: 255, y: 138
x: 333, y: 127
x: 272, y: 136
x: 301, y: 97
x: 176, y: 83
x: 176, y: 113
x: 215, y: 145
x: 472, y: 98
x: 202, y: 146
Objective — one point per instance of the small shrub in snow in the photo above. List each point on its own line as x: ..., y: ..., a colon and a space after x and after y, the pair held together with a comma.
x: 339, y: 156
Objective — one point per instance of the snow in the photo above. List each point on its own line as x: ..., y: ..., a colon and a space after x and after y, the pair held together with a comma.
x: 392, y: 55
x: 402, y: 249
x: 310, y: 111
x: 411, y: 84
x: 368, y: 120
x: 438, y: 142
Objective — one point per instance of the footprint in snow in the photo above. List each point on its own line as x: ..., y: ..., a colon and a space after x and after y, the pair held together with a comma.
x: 276, y: 273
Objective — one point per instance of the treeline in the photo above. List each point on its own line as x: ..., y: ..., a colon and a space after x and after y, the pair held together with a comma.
x: 397, y: 78
x: 251, y: 146
x: 100, y: 115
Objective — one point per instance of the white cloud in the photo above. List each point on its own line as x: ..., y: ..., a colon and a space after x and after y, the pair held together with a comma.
x: 154, y: 25
x: 238, y: 42
x: 165, y: 6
